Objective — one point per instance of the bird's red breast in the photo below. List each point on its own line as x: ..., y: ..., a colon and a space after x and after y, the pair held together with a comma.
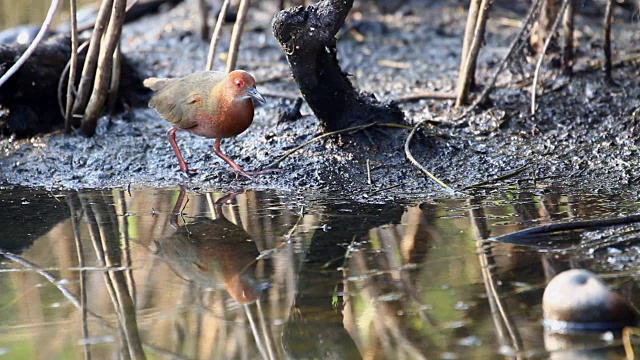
x: 207, y: 103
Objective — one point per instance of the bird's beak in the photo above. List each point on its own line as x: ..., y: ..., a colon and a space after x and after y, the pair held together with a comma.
x: 255, y: 95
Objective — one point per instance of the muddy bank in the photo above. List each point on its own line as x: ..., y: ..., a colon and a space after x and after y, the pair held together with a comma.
x: 585, y: 133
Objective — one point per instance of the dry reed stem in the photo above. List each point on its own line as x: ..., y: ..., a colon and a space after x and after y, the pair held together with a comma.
x: 607, y: 40
x: 215, y: 37
x: 103, y: 73
x: 73, y: 66
x: 536, y: 74
x: 514, y: 45
x: 236, y: 35
x: 468, y: 72
x: 91, y: 61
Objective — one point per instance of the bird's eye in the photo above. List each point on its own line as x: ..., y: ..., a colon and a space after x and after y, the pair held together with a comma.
x: 239, y: 83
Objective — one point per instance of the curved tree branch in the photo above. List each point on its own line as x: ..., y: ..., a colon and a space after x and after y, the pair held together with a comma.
x: 25, y: 56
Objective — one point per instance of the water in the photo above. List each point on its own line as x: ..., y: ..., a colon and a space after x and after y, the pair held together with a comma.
x: 113, y: 274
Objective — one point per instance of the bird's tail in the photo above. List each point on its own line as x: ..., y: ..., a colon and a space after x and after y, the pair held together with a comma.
x: 155, y: 83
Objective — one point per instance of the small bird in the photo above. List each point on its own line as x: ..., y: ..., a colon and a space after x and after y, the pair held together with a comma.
x: 210, y: 252
x: 210, y: 104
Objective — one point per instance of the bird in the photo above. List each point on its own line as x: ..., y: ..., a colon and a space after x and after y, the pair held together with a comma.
x: 213, y: 251
x: 211, y: 104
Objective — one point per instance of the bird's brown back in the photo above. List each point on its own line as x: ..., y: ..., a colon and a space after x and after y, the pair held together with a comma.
x: 182, y: 100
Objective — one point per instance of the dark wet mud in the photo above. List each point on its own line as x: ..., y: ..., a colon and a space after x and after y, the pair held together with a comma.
x: 585, y: 132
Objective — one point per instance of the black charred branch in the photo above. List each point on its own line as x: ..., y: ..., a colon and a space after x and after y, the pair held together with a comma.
x: 308, y: 37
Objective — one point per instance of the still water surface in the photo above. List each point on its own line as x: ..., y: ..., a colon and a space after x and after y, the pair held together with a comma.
x: 171, y: 274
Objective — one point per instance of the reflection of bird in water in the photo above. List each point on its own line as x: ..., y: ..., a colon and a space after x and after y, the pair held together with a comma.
x: 208, y: 251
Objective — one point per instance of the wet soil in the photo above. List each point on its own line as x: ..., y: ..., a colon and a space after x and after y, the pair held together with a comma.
x: 585, y: 133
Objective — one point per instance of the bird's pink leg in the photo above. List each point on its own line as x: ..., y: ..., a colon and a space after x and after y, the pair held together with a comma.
x: 183, y: 165
x: 236, y: 167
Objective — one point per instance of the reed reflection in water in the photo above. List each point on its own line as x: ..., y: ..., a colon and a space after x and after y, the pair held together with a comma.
x: 177, y: 274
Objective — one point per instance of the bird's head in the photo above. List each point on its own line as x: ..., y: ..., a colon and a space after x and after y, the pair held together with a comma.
x: 241, y: 85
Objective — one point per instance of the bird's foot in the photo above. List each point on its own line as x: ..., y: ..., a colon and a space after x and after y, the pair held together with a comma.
x: 239, y: 172
x: 188, y: 172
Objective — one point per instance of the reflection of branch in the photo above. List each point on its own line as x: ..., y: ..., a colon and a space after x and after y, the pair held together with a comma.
x: 255, y: 332
x: 386, y: 322
x: 47, y: 275
x: 265, y: 333
x: 391, y: 243
x: 271, y: 252
x: 72, y: 202
x: 478, y: 220
x: 74, y: 300
x: 105, y: 243
x: 123, y: 227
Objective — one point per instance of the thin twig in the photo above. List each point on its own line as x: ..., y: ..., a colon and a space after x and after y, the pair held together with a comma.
x: 407, y: 152
x: 536, y: 74
x: 355, y: 128
x: 266, y: 254
x: 65, y: 71
x: 392, y: 125
x: 216, y: 35
x: 32, y: 47
x: 73, y: 66
x: 607, y: 40
x: 114, y: 86
x: 499, y: 178
x: 419, y: 95
x: 236, y: 35
x: 512, y: 48
x: 288, y: 153
x: 568, y: 29
x: 295, y: 226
